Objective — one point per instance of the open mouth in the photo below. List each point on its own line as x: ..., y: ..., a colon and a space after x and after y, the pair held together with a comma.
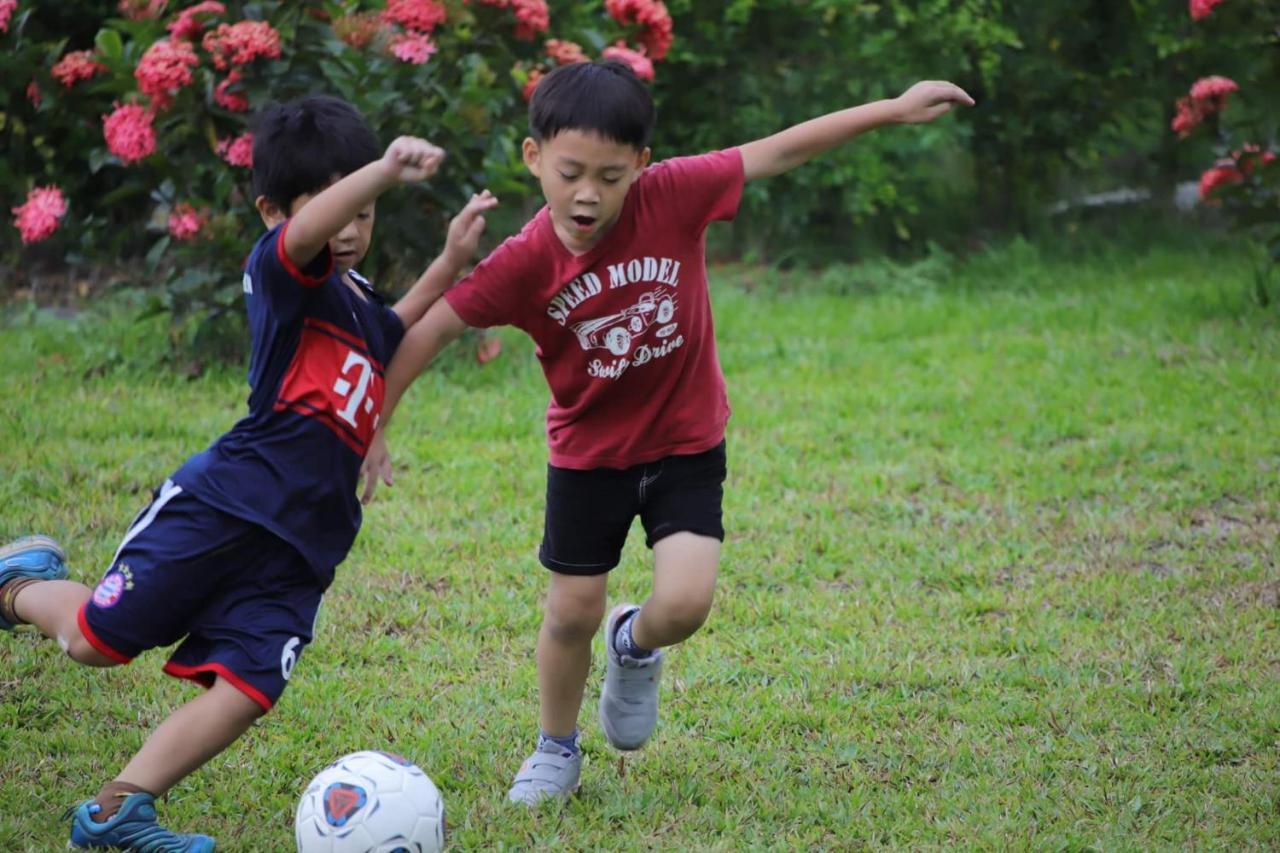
x: 584, y: 223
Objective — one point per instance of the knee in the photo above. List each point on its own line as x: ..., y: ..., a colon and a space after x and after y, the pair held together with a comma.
x: 82, y: 651
x: 686, y: 614
x: 573, y: 618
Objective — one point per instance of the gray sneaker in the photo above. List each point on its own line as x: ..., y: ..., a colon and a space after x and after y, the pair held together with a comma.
x: 552, y: 771
x: 629, y: 700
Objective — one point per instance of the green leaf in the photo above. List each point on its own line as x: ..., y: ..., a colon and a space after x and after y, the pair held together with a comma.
x: 109, y: 44
x: 157, y: 251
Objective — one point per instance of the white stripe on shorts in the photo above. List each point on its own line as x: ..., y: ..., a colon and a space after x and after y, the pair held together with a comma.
x: 168, y: 492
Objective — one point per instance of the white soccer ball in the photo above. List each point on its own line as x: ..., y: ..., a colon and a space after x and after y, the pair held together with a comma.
x: 370, y: 802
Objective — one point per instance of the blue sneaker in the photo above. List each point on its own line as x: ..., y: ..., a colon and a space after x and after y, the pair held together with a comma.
x: 31, y: 557
x: 133, y: 828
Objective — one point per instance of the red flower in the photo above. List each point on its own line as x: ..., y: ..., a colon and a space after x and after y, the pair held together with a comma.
x: 189, y: 23
x: 76, y: 66
x: 565, y: 52
x: 164, y: 69
x: 185, y: 222
x: 33, y: 94
x: 639, y: 63
x: 142, y: 10
x: 129, y: 133
x: 1213, y: 91
x: 242, y: 43
x: 653, y: 16
x: 236, y: 102
x: 414, y: 48
x: 1218, y: 176
x: 1189, y: 116
x: 357, y: 29
x: 1251, y: 157
x: 419, y: 16
x: 7, y: 8
x: 37, y: 219
x: 532, y: 17
x: 238, y: 151
x: 1200, y: 9
x: 531, y: 82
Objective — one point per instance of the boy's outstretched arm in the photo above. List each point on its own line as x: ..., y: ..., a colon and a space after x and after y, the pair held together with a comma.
x: 459, y: 246
x: 787, y: 149
x: 406, y: 160
x: 421, y: 344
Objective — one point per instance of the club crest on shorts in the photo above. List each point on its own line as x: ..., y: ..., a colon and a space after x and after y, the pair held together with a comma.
x: 114, y: 585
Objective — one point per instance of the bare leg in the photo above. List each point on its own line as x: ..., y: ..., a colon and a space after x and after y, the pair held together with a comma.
x: 574, y: 608
x: 190, y: 736
x: 52, y: 606
x: 684, y: 583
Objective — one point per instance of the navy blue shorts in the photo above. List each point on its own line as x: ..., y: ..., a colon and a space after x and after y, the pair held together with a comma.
x: 244, y: 599
x: 589, y: 513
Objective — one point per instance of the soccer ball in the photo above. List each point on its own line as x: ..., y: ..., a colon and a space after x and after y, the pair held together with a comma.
x: 370, y: 802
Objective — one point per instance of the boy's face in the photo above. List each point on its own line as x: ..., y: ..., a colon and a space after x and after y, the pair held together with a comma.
x: 348, y: 246
x: 584, y: 179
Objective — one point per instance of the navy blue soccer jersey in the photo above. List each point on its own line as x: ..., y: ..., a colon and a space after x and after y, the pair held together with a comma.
x: 316, y: 390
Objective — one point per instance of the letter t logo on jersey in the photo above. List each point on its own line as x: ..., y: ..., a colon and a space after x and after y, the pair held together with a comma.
x: 343, y: 387
x: 335, y: 380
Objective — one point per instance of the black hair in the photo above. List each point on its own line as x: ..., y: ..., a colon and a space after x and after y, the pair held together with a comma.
x: 299, y: 147
x: 606, y: 98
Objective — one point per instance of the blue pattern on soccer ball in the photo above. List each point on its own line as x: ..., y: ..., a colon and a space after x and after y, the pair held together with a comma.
x: 341, y: 801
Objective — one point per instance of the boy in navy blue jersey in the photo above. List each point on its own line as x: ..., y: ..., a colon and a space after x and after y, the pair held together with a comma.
x: 236, y: 550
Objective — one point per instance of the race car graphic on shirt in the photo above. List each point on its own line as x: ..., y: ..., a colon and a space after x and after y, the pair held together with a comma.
x: 618, y: 332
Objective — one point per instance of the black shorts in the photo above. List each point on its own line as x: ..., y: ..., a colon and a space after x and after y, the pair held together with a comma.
x: 590, y: 512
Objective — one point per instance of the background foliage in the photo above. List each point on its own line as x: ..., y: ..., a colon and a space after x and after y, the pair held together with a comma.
x: 1073, y: 98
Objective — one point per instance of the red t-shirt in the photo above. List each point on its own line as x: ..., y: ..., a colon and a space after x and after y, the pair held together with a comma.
x: 623, y: 332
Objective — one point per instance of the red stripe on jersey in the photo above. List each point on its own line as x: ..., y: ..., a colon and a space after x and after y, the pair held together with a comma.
x: 353, y: 341
x: 296, y: 271
x: 335, y: 380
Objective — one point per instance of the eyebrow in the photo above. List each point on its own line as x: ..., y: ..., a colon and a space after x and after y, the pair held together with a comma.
x: 570, y: 163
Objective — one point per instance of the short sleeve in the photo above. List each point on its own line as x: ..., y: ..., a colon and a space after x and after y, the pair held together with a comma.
x: 281, y: 265
x: 274, y: 282
x: 698, y: 190
x: 491, y: 295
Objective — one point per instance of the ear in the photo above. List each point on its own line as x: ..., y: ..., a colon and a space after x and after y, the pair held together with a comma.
x: 532, y: 154
x: 642, y: 159
x: 270, y: 212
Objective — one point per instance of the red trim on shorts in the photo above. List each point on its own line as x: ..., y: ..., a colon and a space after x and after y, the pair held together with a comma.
x: 293, y: 269
x: 202, y: 675
x: 95, y: 640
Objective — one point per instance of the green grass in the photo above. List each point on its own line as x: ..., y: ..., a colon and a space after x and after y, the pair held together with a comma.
x: 1001, y: 572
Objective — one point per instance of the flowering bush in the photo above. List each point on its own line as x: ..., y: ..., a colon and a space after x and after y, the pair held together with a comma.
x: 1244, y: 180
x: 167, y: 90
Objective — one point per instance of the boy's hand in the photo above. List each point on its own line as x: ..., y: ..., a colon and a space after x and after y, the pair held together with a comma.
x: 377, y: 464
x: 467, y: 226
x: 929, y: 99
x: 410, y: 159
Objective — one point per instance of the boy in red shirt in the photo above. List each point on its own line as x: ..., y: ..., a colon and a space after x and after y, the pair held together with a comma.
x: 609, y: 279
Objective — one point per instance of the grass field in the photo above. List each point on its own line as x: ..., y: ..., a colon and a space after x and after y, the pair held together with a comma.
x: 1001, y: 572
